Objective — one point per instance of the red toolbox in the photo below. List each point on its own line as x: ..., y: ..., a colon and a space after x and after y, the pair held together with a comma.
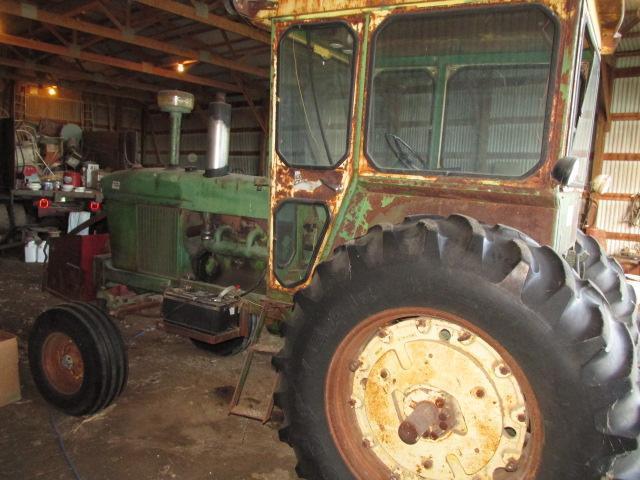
x: 70, y: 268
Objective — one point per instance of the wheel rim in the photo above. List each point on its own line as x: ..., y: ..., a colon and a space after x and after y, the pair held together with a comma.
x: 417, y: 393
x: 62, y: 363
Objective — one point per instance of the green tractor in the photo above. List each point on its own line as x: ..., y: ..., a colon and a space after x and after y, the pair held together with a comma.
x: 416, y: 238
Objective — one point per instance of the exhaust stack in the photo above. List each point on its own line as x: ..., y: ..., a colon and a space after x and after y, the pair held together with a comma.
x: 176, y: 103
x: 219, y: 128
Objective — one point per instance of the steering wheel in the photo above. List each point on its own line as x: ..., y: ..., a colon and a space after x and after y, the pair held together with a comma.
x: 411, y: 160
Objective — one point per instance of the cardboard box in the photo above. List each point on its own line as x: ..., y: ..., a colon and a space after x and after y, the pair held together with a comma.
x: 9, y: 378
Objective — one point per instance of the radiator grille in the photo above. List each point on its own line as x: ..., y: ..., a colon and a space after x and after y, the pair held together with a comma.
x: 157, y: 240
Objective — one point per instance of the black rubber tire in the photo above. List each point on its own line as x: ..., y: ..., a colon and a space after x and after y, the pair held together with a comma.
x: 103, y: 353
x: 224, y: 349
x: 606, y: 273
x: 580, y: 362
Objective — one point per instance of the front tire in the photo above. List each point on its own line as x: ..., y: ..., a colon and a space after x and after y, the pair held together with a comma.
x: 571, y: 362
x: 77, y: 358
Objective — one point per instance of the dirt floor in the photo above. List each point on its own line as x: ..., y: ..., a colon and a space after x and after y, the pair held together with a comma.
x: 171, y: 422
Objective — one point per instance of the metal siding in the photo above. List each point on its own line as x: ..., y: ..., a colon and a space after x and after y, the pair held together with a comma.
x: 626, y: 95
x: 623, y: 138
x: 625, y: 175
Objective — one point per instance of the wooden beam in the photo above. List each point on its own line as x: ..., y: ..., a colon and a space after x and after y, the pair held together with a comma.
x: 202, y: 15
x: 71, y: 74
x: 607, y: 91
x: 633, y: 237
x: 613, y: 196
x: 624, y: 117
x: 141, y: 98
x: 139, y: 67
x: 34, y: 13
x: 627, y: 72
x: 622, y: 157
x: 628, y: 53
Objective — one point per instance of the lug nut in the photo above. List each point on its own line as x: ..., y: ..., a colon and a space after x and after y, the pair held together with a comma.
x: 384, y: 373
x: 443, y: 426
x: 480, y: 392
x: 355, y: 365
x: 522, y: 417
x: 504, y: 370
x: 511, y: 465
x: 464, y: 336
x: 428, y: 464
x: 439, y: 403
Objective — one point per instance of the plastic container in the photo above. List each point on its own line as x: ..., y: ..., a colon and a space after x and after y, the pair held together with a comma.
x: 30, y: 252
x: 42, y: 254
x: 72, y: 178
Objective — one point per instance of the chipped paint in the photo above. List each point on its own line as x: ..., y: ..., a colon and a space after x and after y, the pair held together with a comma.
x: 358, y: 196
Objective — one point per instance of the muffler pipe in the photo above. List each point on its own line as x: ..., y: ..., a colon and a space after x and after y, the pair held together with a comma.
x: 219, y: 134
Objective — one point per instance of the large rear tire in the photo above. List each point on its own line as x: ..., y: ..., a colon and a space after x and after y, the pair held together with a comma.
x: 78, y: 359
x: 607, y: 274
x: 462, y: 307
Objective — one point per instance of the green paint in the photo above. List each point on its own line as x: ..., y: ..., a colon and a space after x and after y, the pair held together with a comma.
x: 514, y: 58
x: 387, y: 200
x: 337, y: 229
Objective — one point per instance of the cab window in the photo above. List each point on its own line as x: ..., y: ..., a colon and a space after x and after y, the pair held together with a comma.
x: 461, y: 93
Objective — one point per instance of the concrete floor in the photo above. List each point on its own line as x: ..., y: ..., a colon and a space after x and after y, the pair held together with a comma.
x: 170, y: 423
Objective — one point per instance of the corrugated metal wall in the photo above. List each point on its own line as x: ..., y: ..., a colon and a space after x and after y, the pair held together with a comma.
x: 621, y: 158
x: 246, y: 140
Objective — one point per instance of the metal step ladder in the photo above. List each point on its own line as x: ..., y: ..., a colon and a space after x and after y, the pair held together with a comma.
x: 19, y: 104
x: 251, y: 399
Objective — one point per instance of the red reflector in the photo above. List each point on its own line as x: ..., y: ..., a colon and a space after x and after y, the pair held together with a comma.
x: 44, y: 203
x: 94, y: 206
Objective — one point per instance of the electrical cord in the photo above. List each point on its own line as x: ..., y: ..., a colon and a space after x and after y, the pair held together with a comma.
x: 63, y: 449
x: 315, y: 99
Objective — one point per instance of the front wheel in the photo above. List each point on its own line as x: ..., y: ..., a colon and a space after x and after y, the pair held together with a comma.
x: 443, y: 349
x: 77, y: 358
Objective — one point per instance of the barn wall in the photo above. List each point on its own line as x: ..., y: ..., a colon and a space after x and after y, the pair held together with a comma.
x: 621, y: 156
x: 246, y: 148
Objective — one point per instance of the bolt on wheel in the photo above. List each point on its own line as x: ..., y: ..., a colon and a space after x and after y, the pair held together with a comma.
x: 430, y: 396
x: 62, y: 363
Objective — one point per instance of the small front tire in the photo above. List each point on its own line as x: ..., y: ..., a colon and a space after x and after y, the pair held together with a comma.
x: 77, y: 358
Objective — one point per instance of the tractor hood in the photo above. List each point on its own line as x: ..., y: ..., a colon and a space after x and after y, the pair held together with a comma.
x: 233, y: 194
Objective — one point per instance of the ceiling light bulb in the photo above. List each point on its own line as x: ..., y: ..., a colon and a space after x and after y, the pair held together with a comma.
x: 52, y: 90
x: 180, y: 67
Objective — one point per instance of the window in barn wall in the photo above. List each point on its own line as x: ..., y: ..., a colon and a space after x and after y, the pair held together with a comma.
x: 38, y: 106
x: 584, y: 110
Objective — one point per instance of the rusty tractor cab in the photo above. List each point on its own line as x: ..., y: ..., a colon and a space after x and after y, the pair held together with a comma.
x: 444, y: 319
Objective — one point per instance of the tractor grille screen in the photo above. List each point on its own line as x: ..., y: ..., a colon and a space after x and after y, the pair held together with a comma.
x: 465, y: 92
x: 157, y: 240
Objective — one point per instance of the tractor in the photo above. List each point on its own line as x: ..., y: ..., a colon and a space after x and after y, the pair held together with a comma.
x: 416, y: 239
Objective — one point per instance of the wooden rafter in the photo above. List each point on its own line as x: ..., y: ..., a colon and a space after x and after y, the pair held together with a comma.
x: 139, y: 67
x: 202, y: 16
x: 15, y: 8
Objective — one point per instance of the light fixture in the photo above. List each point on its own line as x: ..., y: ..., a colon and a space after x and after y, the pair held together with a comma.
x: 52, y: 90
x: 180, y: 68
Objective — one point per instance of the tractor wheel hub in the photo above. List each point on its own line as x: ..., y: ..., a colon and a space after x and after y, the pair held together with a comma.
x: 435, y: 401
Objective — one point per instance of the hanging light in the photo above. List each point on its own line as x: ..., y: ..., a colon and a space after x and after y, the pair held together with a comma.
x: 180, y: 68
x: 52, y: 90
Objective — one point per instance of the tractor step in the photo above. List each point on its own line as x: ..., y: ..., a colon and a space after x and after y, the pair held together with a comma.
x: 253, y: 396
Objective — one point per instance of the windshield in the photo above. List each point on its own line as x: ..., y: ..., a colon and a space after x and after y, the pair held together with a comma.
x: 314, y: 94
x: 463, y: 92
